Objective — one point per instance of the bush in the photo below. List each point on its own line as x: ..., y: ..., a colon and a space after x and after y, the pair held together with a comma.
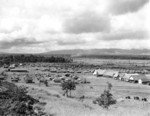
x: 106, y: 99
x: 15, y: 101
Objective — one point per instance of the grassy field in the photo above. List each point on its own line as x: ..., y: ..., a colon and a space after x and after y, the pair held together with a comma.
x: 62, y: 106
x: 122, y: 65
x: 113, y: 61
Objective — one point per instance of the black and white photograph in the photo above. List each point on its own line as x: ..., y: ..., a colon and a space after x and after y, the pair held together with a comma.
x: 74, y: 58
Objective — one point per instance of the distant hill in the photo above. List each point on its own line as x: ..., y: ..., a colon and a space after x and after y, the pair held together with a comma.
x: 80, y: 52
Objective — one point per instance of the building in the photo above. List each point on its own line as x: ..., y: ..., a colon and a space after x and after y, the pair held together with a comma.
x: 19, y: 70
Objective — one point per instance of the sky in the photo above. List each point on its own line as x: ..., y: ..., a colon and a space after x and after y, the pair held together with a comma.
x: 36, y: 26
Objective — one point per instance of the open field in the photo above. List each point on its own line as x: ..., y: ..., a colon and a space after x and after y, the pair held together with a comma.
x: 60, y: 105
x: 113, y: 61
x: 118, y: 64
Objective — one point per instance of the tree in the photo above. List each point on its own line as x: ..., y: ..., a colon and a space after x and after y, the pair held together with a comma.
x: 8, y: 59
x: 106, y: 99
x: 67, y: 86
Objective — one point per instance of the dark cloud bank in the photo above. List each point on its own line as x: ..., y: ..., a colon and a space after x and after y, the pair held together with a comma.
x: 87, y: 22
x: 126, y: 34
x: 19, y: 42
x: 124, y: 6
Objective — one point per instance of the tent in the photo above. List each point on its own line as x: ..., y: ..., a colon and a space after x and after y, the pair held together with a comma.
x: 138, y: 78
x: 144, y: 81
x: 109, y: 73
x: 116, y: 74
x: 99, y: 72
x: 121, y: 75
x: 126, y: 77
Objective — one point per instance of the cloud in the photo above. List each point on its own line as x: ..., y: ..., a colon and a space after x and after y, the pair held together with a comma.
x: 87, y: 22
x: 71, y: 42
x: 70, y: 24
x: 118, y: 7
x: 19, y: 42
x: 129, y: 44
x: 125, y: 34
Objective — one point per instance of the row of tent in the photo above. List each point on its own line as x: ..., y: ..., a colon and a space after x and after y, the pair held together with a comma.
x: 106, y: 73
x: 136, y: 78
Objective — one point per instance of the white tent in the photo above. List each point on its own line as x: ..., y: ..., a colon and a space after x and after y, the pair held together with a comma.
x: 95, y: 73
x: 109, y: 73
x: 126, y: 77
x: 116, y: 74
x: 99, y: 72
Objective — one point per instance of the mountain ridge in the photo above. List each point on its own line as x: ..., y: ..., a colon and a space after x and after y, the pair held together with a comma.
x: 78, y: 52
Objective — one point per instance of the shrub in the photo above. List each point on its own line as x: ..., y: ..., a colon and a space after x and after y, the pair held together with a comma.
x: 106, y: 99
x: 15, y: 101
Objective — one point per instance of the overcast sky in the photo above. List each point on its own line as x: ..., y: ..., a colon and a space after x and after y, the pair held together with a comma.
x: 34, y: 26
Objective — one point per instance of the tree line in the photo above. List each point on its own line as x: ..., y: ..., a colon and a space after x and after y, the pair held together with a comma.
x: 124, y: 57
x: 8, y: 59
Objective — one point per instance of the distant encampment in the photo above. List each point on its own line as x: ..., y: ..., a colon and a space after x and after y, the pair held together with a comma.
x: 135, y: 78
